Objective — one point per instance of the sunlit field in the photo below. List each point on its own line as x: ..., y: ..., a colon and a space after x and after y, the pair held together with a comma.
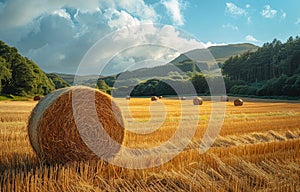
x: 258, y: 149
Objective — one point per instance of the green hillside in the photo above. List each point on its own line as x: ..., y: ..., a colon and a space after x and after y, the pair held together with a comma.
x: 87, y: 80
x: 217, y: 53
x: 21, y: 76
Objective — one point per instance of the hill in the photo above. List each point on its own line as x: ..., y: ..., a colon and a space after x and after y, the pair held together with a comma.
x: 182, y: 67
x: 87, y: 80
x: 21, y: 76
x: 219, y: 53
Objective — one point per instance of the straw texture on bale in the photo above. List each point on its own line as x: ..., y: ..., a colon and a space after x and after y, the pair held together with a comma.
x: 224, y: 98
x: 238, y: 102
x: 53, y: 132
x: 197, y: 101
x: 36, y: 98
x: 154, y: 98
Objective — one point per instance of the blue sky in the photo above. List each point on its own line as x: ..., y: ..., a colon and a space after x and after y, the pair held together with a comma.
x: 57, y: 34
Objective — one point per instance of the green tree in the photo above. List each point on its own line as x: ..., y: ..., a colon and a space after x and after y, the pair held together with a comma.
x: 102, y: 86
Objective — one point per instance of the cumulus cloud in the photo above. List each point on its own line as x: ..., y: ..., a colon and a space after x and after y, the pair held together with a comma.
x: 56, y: 34
x: 118, y: 19
x: 62, y: 13
x: 174, y: 9
x: 137, y: 46
x: 18, y: 13
x: 234, y: 9
x: 248, y: 6
x: 251, y: 38
x: 268, y: 12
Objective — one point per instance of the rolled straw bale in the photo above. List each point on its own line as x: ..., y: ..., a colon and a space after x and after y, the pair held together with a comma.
x: 197, y: 101
x: 224, y: 98
x: 238, y: 102
x: 154, y: 98
x: 57, y: 137
x: 128, y: 97
x: 160, y: 97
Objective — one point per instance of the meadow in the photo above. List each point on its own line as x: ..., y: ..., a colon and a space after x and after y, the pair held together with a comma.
x: 258, y: 149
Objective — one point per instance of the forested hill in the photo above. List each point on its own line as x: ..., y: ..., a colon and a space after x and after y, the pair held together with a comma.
x: 275, y: 66
x: 21, y: 76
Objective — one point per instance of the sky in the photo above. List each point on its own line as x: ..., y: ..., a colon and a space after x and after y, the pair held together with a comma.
x: 59, y: 34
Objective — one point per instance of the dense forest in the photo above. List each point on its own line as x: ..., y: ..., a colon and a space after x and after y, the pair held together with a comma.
x: 273, y: 70
x: 21, y: 76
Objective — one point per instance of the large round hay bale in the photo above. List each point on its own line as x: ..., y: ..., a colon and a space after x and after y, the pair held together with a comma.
x: 160, y: 97
x: 238, y: 102
x: 224, y: 98
x: 128, y: 97
x: 197, y: 101
x: 37, y: 98
x: 60, y: 134
x: 154, y: 98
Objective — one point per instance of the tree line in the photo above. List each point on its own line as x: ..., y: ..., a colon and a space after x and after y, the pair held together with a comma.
x: 21, y: 76
x: 273, y: 70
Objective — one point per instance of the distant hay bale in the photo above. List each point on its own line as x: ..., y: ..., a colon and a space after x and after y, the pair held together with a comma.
x: 160, y: 97
x: 197, y: 101
x: 54, y: 134
x: 128, y: 97
x: 238, y: 102
x: 224, y: 98
x: 37, y: 98
x: 154, y: 98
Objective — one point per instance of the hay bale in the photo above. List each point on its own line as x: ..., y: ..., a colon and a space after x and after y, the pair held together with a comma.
x: 197, y: 101
x: 238, y: 102
x: 182, y: 98
x: 128, y: 97
x: 54, y: 134
x: 224, y: 98
x: 37, y: 98
x: 154, y: 98
x: 160, y: 97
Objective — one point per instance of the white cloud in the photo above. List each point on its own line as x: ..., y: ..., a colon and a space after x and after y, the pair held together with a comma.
x: 174, y: 8
x: 234, y: 10
x: 283, y: 15
x: 13, y: 13
x: 62, y: 13
x: 251, y: 38
x: 268, y: 12
x: 298, y: 21
x: 137, y: 8
x: 230, y: 26
x: 210, y: 44
x: 248, y: 6
x: 118, y: 19
x: 142, y: 45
